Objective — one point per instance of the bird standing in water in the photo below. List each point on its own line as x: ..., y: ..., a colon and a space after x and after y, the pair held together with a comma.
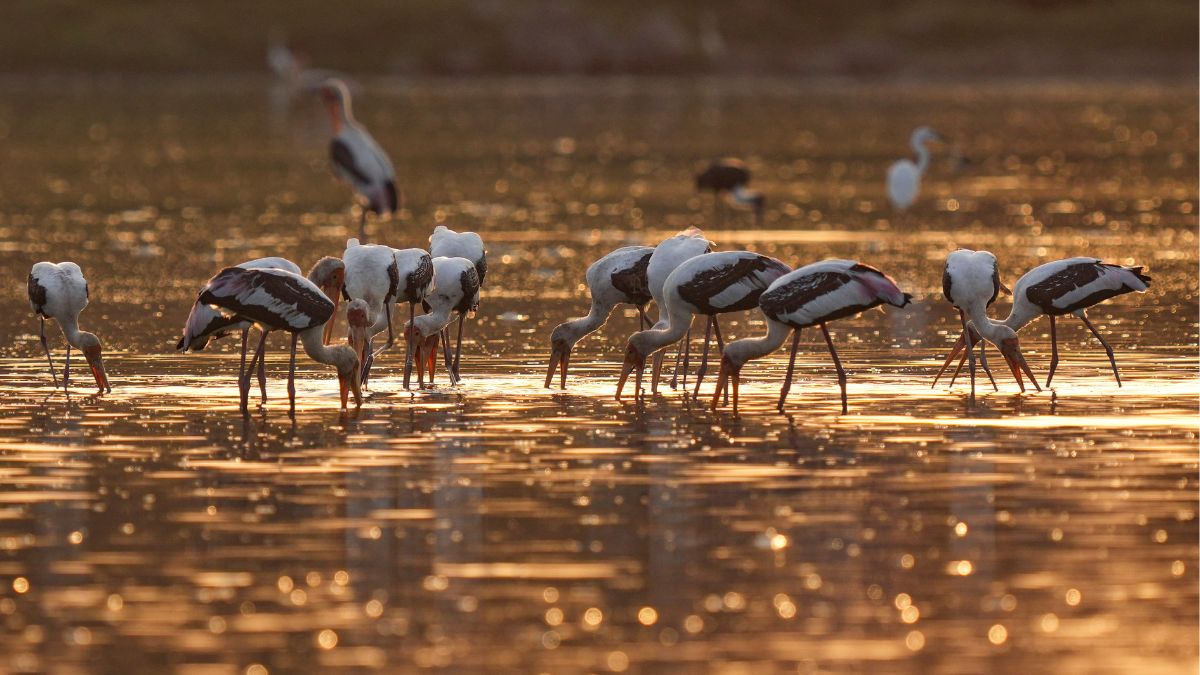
x: 59, y: 292
x: 356, y: 158
x: 731, y: 176
x: 810, y: 296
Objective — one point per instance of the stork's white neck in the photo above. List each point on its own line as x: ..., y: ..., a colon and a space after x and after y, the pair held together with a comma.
x: 70, y: 329
x: 437, y: 319
x: 576, y: 329
x: 741, y: 351
x: 314, y: 345
x: 650, y: 341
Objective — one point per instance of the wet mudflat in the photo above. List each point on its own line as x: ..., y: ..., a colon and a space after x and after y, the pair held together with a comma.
x: 499, y: 526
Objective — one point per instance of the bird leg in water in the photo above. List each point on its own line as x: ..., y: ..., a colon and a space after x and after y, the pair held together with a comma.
x: 1053, y: 351
x: 262, y: 375
x: 720, y: 348
x: 449, y: 359
x: 983, y: 362
x: 837, y: 363
x: 958, y: 345
x: 791, y: 370
x: 67, y: 368
x: 245, y: 343
x: 1111, y: 358
x: 244, y: 385
x: 291, y: 387
x: 687, y: 344
x: 703, y: 359
x: 46, y: 346
x: 458, y: 346
x: 967, y: 330
x: 656, y: 370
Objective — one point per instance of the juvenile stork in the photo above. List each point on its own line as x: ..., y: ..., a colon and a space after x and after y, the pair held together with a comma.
x: 446, y: 243
x: 455, y: 289
x: 328, y: 274
x: 709, y: 284
x: 617, y: 278
x: 59, y: 292
x: 279, y: 300
x: 668, y: 255
x: 729, y: 175
x: 904, y: 176
x: 1060, y: 288
x: 813, y: 295
x: 356, y: 158
x: 382, y: 276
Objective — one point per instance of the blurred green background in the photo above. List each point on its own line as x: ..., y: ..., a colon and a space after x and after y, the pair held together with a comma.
x: 871, y: 38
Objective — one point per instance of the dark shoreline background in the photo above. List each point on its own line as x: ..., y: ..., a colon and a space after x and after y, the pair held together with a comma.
x: 861, y: 40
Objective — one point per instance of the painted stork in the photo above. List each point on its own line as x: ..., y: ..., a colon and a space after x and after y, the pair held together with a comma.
x: 59, y: 292
x: 279, y: 300
x: 810, y: 296
x: 213, y: 324
x: 356, y: 158
x: 446, y: 243
x: 904, y: 176
x: 970, y: 278
x: 382, y: 276
x: 1059, y: 288
x: 709, y: 284
x: 668, y: 255
x: 617, y: 278
x: 455, y: 289
x: 729, y: 175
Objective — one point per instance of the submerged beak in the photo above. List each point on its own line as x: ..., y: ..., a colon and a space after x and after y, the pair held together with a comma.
x: 96, y: 363
x: 560, y: 356
x: 1011, y: 350
x: 633, y: 359
x: 351, y: 383
x: 727, y: 373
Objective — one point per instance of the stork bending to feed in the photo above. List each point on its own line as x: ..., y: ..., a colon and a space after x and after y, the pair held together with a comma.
x: 446, y: 243
x: 356, y: 158
x: 279, y: 300
x: 668, y: 255
x: 59, y: 292
x: 709, y: 284
x: 207, y: 323
x: 382, y: 276
x: 1059, y: 288
x: 455, y: 289
x: 971, y: 278
x: 617, y: 278
x: 813, y: 295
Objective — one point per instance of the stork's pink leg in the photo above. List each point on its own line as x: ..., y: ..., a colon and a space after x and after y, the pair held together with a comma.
x: 791, y: 369
x: 703, y: 358
x: 262, y: 375
x: 1109, y: 350
x: 292, y: 377
x: 837, y: 363
x: 1053, y: 351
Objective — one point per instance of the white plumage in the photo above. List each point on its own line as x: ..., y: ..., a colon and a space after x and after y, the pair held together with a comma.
x: 60, y: 292
x: 617, y: 278
x: 904, y: 176
x: 810, y: 296
x: 446, y: 243
x: 455, y: 290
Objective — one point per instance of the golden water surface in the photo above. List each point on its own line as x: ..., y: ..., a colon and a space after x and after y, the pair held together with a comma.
x: 501, y: 527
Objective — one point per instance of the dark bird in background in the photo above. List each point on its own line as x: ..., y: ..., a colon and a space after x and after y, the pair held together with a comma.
x: 731, y: 176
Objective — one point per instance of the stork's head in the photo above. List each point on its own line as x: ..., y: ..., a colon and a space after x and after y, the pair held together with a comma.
x: 336, y: 98
x: 329, y: 274
x: 923, y: 135
x: 349, y: 370
x: 90, y: 345
x: 561, y: 341
x: 358, y: 323
x: 1006, y: 340
x: 636, y: 353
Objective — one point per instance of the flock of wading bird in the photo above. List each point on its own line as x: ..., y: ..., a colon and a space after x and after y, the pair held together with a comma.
x: 682, y: 275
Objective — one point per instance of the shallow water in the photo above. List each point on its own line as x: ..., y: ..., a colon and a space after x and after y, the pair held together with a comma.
x: 499, y: 526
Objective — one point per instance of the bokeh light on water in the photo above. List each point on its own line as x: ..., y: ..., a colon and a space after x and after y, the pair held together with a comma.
x: 503, y: 526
